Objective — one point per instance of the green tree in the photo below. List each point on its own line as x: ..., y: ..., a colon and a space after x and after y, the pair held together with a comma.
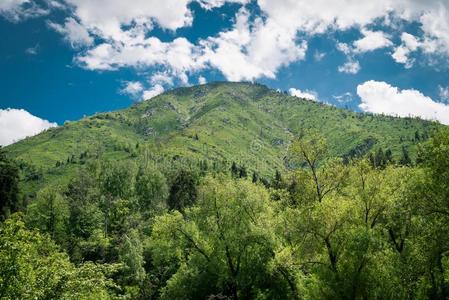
x: 131, y: 255
x: 310, y: 151
x: 9, y: 182
x: 50, y: 213
x: 32, y: 267
x: 116, y: 181
x: 183, y: 190
x: 222, y: 246
x: 151, y: 190
x: 405, y: 158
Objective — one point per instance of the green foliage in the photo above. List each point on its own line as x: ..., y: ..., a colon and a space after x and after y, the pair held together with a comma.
x: 151, y: 189
x: 32, y: 267
x: 221, y: 246
x: 9, y: 186
x: 242, y: 122
x: 50, y: 213
x: 155, y: 202
x: 183, y: 190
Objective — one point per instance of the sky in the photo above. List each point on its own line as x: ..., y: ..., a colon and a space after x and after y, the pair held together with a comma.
x: 64, y: 59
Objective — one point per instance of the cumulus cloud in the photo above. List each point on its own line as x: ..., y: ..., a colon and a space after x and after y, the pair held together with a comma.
x: 401, y: 53
x: 381, y: 97
x: 210, y: 4
x: 32, y: 50
x: 320, y: 15
x: 76, y: 34
x: 350, y: 67
x: 252, y: 50
x: 132, y: 88
x: 318, y: 56
x: 108, y: 16
x: 371, y: 41
x: 343, y: 98
x: 443, y: 92
x: 310, y: 95
x: 163, y: 78
x: 202, y: 80
x: 17, y: 124
x: 153, y: 92
x: 115, y: 34
x: 17, y: 10
x: 177, y: 56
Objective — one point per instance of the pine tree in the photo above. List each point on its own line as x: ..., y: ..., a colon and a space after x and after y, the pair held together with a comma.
x: 255, y: 177
x: 277, y: 182
x: 234, y: 169
x: 389, y: 156
x: 405, y: 159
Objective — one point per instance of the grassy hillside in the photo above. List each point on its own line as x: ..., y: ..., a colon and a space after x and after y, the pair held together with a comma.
x: 223, y: 122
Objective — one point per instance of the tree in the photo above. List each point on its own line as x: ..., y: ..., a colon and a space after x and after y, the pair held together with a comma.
x: 32, y: 267
x: 310, y: 151
x: 255, y: 177
x: 405, y: 158
x: 417, y: 136
x: 151, y: 189
x: 380, y: 159
x: 221, y: 246
x: 9, y: 182
x: 389, y: 156
x: 278, y: 181
x: 131, y: 254
x: 116, y: 181
x: 183, y: 190
x: 50, y: 213
x: 234, y: 169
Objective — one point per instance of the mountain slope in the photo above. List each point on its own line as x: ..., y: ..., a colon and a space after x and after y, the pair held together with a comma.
x: 242, y: 122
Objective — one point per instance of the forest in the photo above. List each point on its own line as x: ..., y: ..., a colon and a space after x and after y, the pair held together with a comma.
x: 372, y: 227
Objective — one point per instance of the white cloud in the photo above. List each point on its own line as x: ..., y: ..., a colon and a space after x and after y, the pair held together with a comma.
x: 254, y: 46
x: 350, y: 67
x: 17, y: 10
x: 163, y: 78
x: 371, y: 41
x: 320, y: 15
x: 202, y: 80
x: 252, y: 50
x: 153, y: 92
x: 380, y: 97
x: 210, y: 4
x: 318, y: 56
x: 76, y: 34
x: 107, y: 16
x: 401, y: 53
x: 443, y: 92
x: 137, y: 90
x: 17, y: 124
x: 343, y: 98
x: 177, y: 56
x: 32, y: 50
x: 310, y: 95
x: 435, y: 24
x: 132, y: 88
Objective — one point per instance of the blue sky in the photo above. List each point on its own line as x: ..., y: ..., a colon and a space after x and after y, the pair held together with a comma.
x: 63, y: 59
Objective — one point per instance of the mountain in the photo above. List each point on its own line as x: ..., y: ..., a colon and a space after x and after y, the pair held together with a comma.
x: 223, y: 122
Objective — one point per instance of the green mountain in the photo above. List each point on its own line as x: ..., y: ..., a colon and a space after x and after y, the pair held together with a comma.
x: 221, y: 122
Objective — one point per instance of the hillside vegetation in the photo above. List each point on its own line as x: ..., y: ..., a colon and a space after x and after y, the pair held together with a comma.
x: 221, y: 123
x: 227, y: 191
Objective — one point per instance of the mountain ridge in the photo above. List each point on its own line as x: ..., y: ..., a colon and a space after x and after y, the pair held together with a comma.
x: 246, y: 123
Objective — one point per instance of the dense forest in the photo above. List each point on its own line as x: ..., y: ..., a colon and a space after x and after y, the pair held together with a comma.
x: 325, y: 228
